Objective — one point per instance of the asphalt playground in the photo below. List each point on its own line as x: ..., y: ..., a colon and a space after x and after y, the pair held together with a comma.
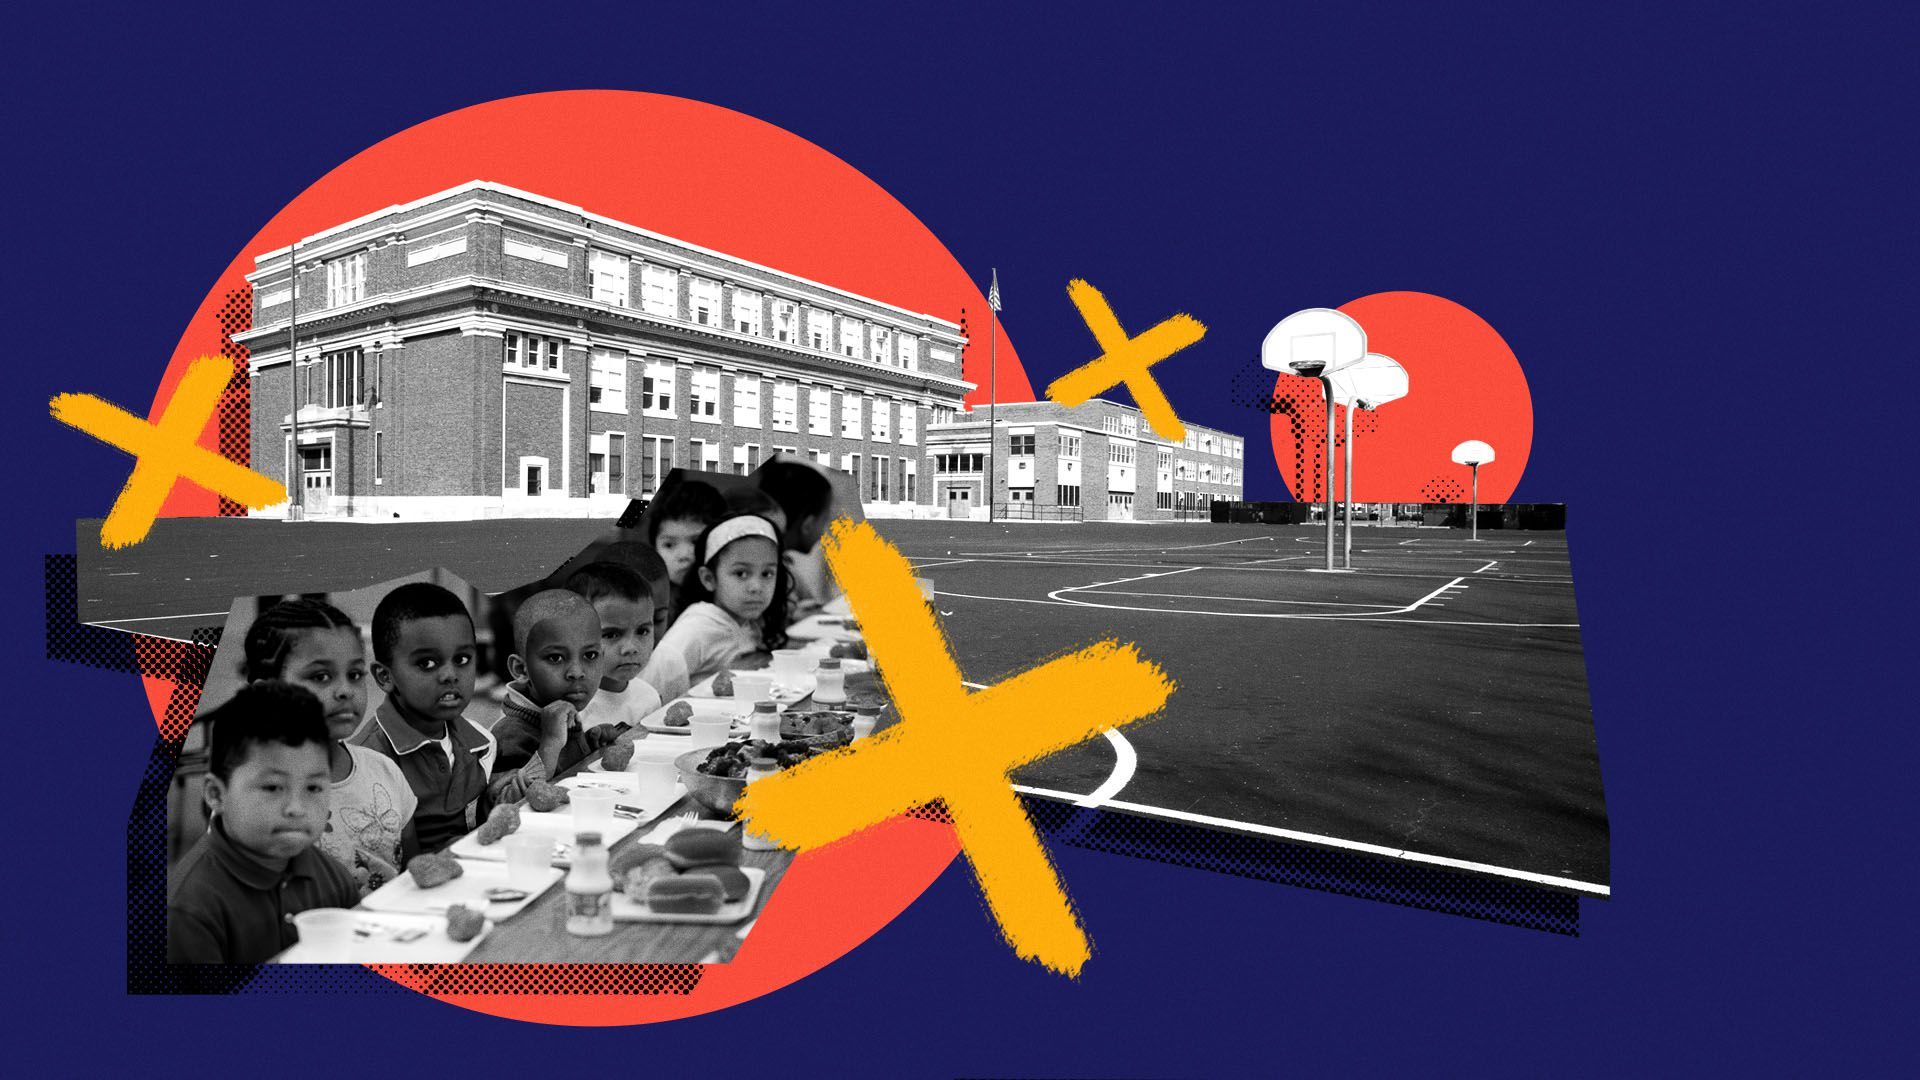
x: 1431, y: 705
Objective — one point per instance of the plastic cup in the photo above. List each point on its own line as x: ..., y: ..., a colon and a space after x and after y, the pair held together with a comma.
x: 654, y: 768
x: 327, y: 933
x: 709, y: 729
x: 529, y: 856
x: 789, y: 666
x: 593, y: 809
x: 863, y: 725
x: 752, y: 686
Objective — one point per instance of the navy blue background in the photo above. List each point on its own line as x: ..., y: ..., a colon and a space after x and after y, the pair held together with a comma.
x: 1685, y: 222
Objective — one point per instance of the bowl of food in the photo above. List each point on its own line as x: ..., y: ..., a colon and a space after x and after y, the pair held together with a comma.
x: 717, y: 789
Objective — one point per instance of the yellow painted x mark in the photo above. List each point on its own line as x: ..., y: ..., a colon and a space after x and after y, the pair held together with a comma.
x: 166, y: 452
x: 958, y: 746
x: 1126, y: 360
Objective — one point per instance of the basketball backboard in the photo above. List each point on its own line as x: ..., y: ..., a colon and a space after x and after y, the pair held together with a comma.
x: 1313, y: 342
x: 1472, y: 452
x: 1371, y: 383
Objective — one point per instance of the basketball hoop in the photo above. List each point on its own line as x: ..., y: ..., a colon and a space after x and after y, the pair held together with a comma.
x: 1473, y: 453
x: 1369, y: 384
x: 1316, y: 343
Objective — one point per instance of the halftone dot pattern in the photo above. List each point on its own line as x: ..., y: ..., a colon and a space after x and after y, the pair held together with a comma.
x: 235, y: 412
x: 1444, y: 489
x: 1304, y: 406
x: 933, y: 811
x: 70, y: 640
x: 1324, y: 869
x: 444, y: 979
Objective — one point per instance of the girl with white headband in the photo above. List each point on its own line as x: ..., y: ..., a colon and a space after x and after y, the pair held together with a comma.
x: 737, y: 597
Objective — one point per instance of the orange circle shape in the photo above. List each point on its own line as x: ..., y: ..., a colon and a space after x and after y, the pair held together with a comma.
x: 731, y: 183
x: 1464, y: 382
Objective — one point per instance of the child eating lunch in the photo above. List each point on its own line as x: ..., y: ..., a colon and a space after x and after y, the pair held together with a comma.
x: 739, y: 592
x: 674, y: 526
x: 313, y: 645
x: 229, y: 897
x: 423, y: 659
x: 624, y: 603
x: 556, y: 673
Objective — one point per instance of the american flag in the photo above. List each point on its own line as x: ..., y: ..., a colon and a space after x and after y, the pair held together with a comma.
x: 993, y: 291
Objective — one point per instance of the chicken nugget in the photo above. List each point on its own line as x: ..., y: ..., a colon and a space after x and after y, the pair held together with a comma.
x: 464, y: 923
x: 616, y: 756
x: 679, y: 714
x: 723, y: 684
x: 435, y: 868
x: 545, y: 797
x: 502, y: 823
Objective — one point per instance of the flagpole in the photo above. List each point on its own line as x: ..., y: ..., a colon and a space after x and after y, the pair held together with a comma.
x: 993, y: 386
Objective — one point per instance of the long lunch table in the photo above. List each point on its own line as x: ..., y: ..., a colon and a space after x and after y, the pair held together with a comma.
x: 538, y: 934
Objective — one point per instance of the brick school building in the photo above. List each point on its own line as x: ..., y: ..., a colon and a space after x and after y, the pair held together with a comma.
x: 487, y: 351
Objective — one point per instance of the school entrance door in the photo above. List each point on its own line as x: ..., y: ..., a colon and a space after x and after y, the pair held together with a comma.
x: 959, y: 503
x: 316, y: 478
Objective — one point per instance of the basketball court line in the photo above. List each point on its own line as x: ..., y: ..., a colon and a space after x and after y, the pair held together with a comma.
x: 1405, y: 854
x: 1250, y: 568
x: 1415, y: 606
x: 1124, y: 762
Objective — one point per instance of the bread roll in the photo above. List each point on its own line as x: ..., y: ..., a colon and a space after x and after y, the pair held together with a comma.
x: 704, y: 847
x: 692, y: 894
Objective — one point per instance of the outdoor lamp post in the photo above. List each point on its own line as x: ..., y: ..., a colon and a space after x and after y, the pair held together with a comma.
x: 1314, y: 344
x: 1475, y: 453
x: 1369, y: 384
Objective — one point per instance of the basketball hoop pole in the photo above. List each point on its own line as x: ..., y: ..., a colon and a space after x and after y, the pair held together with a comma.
x: 1474, y: 514
x: 1346, y: 559
x: 1328, y: 384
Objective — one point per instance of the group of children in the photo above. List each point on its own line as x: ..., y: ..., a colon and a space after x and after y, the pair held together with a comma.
x: 315, y: 805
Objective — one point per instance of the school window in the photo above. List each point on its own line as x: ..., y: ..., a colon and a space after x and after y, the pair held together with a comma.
x: 909, y: 480
x: 1206, y: 474
x: 1020, y: 496
x: 819, y: 410
x: 850, y: 464
x: 342, y: 378
x: 786, y: 406
x: 703, y: 301
x: 656, y: 461
x: 704, y: 455
x: 882, y: 420
x: 746, y: 401
x: 880, y: 344
x: 347, y: 279
x: 853, y: 337
x: 909, y: 422
x: 743, y: 311
x: 746, y: 458
x: 1119, y: 453
x: 607, y: 464
x: 1067, y: 494
x: 1163, y: 500
x: 786, y: 321
x: 1206, y: 444
x: 877, y: 480
x: 660, y: 291
x: 959, y: 463
x: 1122, y: 501
x: 704, y: 396
x: 656, y: 389
x: 822, y: 457
x: 607, y: 381
x: 1164, y: 471
x: 1020, y: 446
x: 379, y: 457
x: 1069, y: 446
x: 819, y: 329
x: 906, y: 351
x: 1226, y: 474
x: 532, y: 352
x: 607, y: 276
x: 849, y: 416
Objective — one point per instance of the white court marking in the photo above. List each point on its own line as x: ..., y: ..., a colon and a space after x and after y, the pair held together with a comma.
x: 942, y: 562
x: 1353, y: 615
x: 1124, y: 761
x: 157, y: 618
x: 1488, y: 567
x: 1335, y: 842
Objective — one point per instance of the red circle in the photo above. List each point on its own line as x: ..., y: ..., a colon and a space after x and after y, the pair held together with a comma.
x: 728, y: 182
x: 1463, y: 383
